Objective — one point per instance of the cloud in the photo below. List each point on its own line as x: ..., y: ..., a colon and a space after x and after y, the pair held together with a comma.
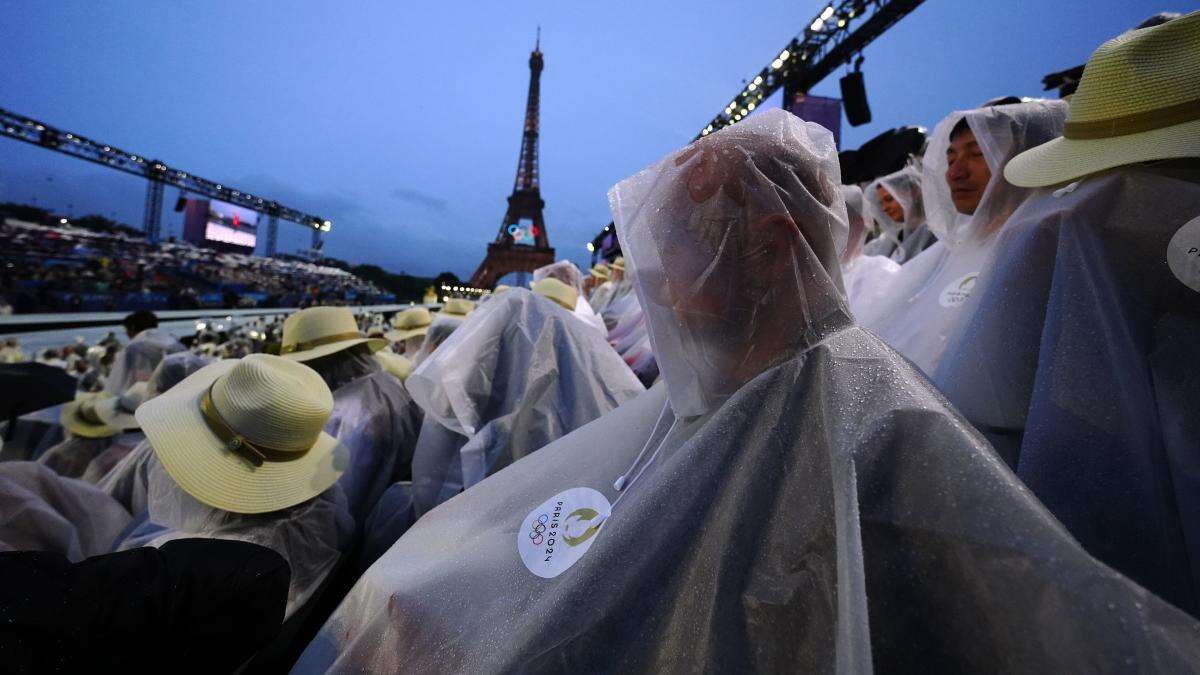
x: 420, y: 199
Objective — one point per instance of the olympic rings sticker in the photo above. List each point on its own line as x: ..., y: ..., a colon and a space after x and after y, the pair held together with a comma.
x: 556, y: 534
x: 538, y: 529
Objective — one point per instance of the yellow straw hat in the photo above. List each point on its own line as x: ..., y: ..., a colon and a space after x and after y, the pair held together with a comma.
x: 458, y: 307
x: 394, y: 363
x: 247, y: 435
x: 320, y: 331
x: 410, y: 323
x: 557, y: 291
x: 619, y: 264
x: 1138, y: 101
x: 79, y: 417
x: 600, y: 271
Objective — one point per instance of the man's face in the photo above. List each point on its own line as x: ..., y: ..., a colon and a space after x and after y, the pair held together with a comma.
x: 967, y: 172
x: 891, y: 206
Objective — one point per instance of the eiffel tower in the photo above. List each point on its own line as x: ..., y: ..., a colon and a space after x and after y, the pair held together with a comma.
x: 522, y: 244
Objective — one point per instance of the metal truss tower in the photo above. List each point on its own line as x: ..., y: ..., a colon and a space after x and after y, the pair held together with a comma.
x: 157, y: 173
x: 829, y: 41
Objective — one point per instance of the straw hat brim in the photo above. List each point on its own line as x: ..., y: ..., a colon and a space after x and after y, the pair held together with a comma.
x: 80, y: 428
x: 334, y: 347
x: 398, y: 335
x: 200, y: 463
x: 1064, y: 159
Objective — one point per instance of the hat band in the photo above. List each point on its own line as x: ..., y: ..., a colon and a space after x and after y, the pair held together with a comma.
x: 319, y: 342
x: 254, y: 453
x: 412, y: 327
x: 1147, y: 120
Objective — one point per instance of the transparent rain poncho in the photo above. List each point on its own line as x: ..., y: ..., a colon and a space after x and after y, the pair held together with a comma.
x: 566, y: 272
x: 924, y: 302
x: 376, y: 419
x: 601, y: 295
x: 172, y: 370
x: 89, y: 458
x: 563, y: 270
x: 127, y: 481
x: 439, y: 331
x: 865, y: 277
x: 815, y: 507
x: 1081, y: 361
x: 47, y: 512
x: 622, y: 303
x: 631, y: 339
x: 311, y: 535
x: 521, y: 372
x: 900, y: 241
x: 138, y: 359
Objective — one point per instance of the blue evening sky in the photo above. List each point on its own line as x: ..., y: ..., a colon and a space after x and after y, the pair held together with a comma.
x: 401, y: 121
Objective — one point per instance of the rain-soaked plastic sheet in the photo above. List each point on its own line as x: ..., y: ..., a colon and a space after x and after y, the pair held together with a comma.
x: 815, y: 507
x: 1081, y: 362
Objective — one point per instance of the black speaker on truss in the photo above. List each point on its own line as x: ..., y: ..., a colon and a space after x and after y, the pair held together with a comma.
x: 854, y: 99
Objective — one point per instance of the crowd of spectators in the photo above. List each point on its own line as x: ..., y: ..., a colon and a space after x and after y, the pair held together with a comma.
x: 63, y: 268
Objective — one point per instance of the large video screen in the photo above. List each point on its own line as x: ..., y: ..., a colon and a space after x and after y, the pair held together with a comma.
x: 231, y: 224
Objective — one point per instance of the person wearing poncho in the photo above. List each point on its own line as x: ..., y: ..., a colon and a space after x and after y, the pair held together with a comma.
x: 520, y: 373
x: 566, y: 272
x: 93, y: 424
x: 797, y: 497
x: 924, y: 301
x: 121, y: 472
x: 239, y: 452
x: 373, y: 414
x: 866, y: 277
x: 1081, y: 358
x: 894, y: 202
x: 137, y: 360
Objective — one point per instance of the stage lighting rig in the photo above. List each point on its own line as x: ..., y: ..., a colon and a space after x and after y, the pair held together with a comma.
x: 829, y: 40
x: 157, y: 174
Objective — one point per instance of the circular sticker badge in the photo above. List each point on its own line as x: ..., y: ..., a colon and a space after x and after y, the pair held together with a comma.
x: 1183, y: 254
x: 957, y: 292
x: 556, y: 534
